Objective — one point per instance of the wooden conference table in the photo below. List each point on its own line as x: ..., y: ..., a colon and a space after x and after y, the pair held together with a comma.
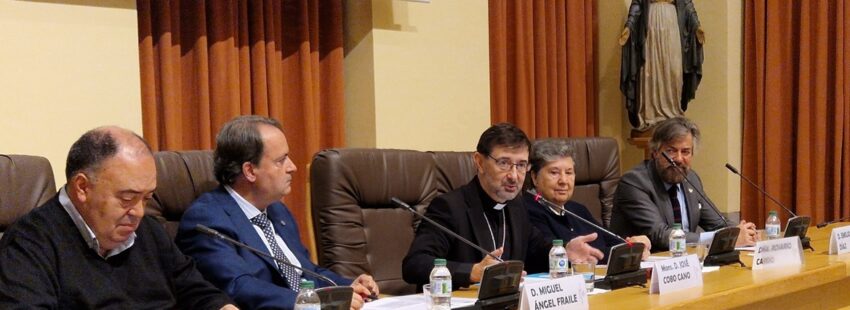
x: 823, y: 282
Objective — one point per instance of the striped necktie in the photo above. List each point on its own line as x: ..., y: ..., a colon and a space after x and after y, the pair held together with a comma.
x: 289, y: 273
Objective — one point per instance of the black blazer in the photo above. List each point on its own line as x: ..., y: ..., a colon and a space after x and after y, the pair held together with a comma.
x: 566, y: 227
x: 642, y: 207
x: 461, y: 211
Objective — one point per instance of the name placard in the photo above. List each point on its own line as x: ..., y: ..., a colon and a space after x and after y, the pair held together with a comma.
x: 839, y: 242
x: 562, y: 293
x: 778, y: 252
x: 675, y: 274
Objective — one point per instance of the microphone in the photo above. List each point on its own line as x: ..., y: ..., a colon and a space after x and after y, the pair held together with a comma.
x: 735, y: 171
x: 543, y: 201
x: 797, y: 225
x: 827, y: 223
x: 710, y: 205
x: 407, y: 207
x: 214, y: 233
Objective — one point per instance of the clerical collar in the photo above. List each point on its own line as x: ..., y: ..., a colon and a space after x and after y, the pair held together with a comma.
x: 486, y: 200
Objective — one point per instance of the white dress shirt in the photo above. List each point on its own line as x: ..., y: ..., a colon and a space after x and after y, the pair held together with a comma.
x: 250, y: 212
x: 85, y: 230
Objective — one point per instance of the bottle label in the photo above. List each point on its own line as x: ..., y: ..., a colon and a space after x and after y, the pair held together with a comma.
x: 772, y: 230
x: 441, y: 288
x: 308, y: 307
x: 558, y: 264
x: 677, y: 245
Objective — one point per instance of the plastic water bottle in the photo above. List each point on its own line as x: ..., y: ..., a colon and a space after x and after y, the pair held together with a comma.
x: 677, y: 241
x: 441, y: 286
x: 558, y: 260
x: 307, y: 298
x: 772, y: 226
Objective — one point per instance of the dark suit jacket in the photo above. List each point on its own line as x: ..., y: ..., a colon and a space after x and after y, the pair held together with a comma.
x: 642, y: 207
x: 461, y: 211
x: 566, y: 227
x: 250, y: 279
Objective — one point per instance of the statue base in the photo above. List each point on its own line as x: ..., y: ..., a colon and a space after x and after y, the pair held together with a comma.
x: 640, y: 139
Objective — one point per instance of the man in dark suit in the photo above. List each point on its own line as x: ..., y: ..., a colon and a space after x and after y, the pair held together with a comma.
x: 487, y: 212
x: 653, y: 196
x: 252, y: 164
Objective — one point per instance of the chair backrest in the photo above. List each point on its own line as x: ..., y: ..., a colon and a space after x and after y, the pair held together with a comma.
x: 358, y: 230
x: 26, y: 182
x: 597, y: 173
x: 181, y: 176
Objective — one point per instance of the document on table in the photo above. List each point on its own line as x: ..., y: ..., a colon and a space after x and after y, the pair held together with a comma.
x: 649, y: 262
x: 411, y: 302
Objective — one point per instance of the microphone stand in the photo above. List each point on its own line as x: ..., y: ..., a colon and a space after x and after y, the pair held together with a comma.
x: 801, y: 225
x: 724, y: 258
x: 824, y: 224
x: 735, y: 171
x: 214, y: 233
x: 624, y: 276
x: 335, y: 297
x: 701, y: 194
x: 407, y: 207
x: 543, y: 201
x: 502, y: 277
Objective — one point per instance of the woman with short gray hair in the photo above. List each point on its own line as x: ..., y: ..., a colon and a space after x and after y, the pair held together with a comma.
x: 553, y: 177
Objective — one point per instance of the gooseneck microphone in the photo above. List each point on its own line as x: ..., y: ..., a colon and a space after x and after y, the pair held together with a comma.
x: 827, y: 223
x: 407, y: 207
x: 547, y: 203
x: 735, y: 171
x: 797, y: 225
x: 215, y: 233
x: 685, y: 176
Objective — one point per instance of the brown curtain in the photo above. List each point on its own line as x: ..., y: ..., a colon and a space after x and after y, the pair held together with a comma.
x: 797, y: 107
x: 205, y: 62
x: 542, y: 66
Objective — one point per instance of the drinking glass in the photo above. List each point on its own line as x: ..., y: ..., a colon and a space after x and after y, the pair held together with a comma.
x: 698, y: 248
x: 588, y: 271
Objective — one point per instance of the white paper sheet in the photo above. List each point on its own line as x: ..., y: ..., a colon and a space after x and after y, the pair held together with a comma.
x: 411, y: 302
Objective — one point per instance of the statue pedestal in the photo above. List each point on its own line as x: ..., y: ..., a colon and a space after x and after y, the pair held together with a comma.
x: 640, y: 139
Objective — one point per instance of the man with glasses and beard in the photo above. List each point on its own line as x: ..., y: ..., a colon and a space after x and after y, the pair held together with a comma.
x: 653, y: 196
x: 487, y: 212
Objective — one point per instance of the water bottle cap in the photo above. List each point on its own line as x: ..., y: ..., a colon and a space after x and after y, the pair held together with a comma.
x: 677, y: 226
x: 772, y: 213
x: 307, y: 284
x: 439, y: 262
x: 558, y: 242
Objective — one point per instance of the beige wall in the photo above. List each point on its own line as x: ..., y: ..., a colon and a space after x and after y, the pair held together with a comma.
x: 67, y: 66
x: 417, y: 74
x: 717, y: 108
x: 417, y: 77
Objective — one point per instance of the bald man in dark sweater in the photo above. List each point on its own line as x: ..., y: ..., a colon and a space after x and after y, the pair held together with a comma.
x: 90, y: 246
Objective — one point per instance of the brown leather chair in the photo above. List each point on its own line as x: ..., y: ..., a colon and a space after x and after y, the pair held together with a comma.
x: 26, y: 182
x: 597, y: 173
x: 181, y: 176
x: 359, y: 231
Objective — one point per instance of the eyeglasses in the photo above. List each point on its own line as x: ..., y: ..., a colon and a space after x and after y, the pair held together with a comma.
x: 505, y: 164
x: 673, y: 152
